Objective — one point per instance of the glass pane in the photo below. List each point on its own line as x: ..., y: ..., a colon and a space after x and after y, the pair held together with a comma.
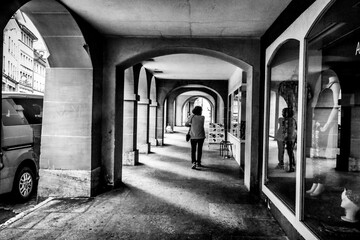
x: 282, y: 120
x: 32, y: 109
x: 332, y: 146
x: 235, y: 127
x: 12, y: 114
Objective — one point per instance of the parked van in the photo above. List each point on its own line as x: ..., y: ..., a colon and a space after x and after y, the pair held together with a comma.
x: 20, y: 143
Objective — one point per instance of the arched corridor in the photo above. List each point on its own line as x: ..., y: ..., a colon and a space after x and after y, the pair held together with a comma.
x: 162, y: 198
x: 276, y: 81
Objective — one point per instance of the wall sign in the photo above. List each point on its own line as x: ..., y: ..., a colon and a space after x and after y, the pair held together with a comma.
x: 357, y: 50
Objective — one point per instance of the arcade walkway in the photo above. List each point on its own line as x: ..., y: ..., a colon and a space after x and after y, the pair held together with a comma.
x: 162, y: 198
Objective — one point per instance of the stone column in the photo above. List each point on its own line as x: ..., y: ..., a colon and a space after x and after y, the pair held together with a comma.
x: 160, y: 125
x: 130, y: 153
x: 152, y: 124
x: 143, y: 126
x: 170, y: 112
x: 65, y: 162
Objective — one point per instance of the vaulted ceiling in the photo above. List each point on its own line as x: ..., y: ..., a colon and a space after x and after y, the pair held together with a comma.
x: 178, y: 18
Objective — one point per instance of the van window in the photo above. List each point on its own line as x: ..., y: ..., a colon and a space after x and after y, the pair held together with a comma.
x: 10, y: 116
x: 32, y: 109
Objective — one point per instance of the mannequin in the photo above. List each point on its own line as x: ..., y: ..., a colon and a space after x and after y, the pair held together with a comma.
x: 350, y: 202
x: 325, y: 127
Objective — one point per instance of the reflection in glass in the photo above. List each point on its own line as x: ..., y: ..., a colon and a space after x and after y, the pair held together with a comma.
x: 235, y: 127
x: 324, y: 128
x: 282, y: 120
x: 332, y: 146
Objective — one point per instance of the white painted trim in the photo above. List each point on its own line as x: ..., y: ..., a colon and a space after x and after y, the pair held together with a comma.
x: 298, y: 31
x: 289, y: 215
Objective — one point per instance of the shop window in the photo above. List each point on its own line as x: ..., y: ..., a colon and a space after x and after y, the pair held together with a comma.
x: 236, y: 113
x: 332, y: 140
x: 282, y: 114
x: 235, y: 127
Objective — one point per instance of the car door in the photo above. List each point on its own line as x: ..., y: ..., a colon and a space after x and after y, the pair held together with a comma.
x: 16, y: 141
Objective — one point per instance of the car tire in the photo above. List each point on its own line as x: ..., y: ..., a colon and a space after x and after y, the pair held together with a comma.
x: 24, y: 184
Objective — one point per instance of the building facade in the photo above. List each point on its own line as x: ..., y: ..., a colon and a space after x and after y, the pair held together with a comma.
x: 10, y: 70
x: 23, y: 65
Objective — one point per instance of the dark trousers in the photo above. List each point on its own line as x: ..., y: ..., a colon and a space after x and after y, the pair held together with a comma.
x: 196, y: 143
x: 290, y: 151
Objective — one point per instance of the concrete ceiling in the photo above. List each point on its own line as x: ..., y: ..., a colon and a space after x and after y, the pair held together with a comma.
x: 190, y: 66
x: 182, y: 18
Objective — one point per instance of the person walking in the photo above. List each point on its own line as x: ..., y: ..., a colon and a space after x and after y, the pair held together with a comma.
x: 197, y: 135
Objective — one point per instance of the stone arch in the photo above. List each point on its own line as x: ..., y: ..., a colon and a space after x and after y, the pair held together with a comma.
x: 152, y: 94
x: 129, y: 119
x: 71, y: 95
x: 209, y: 98
x: 146, y: 50
x: 130, y: 91
x: 143, y: 84
x: 153, y: 112
x: 279, y: 47
x: 196, y: 87
x: 192, y: 50
x: 143, y: 113
x: 219, y: 103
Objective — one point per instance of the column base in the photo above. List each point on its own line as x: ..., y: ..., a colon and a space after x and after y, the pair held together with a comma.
x: 131, y: 158
x: 153, y: 142
x: 156, y: 142
x: 144, y: 148
x: 68, y: 183
x: 160, y: 142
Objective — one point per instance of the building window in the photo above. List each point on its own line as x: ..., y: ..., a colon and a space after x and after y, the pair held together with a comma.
x: 332, y: 143
x: 282, y: 118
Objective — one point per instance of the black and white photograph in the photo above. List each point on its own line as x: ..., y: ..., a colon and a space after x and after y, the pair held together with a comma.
x: 180, y: 119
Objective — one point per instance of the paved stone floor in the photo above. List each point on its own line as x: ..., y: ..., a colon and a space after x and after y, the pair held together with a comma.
x: 9, y: 207
x: 162, y: 198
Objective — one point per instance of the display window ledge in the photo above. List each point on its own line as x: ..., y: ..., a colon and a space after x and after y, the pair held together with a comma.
x: 300, y: 226
x: 236, y: 138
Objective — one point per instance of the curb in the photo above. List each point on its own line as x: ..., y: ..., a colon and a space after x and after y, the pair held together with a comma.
x: 23, y: 214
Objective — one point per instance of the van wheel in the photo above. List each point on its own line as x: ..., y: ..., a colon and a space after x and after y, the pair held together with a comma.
x: 24, y: 184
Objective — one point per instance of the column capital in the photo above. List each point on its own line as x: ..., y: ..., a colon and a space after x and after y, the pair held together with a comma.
x: 133, y: 97
x: 144, y: 101
x: 154, y: 104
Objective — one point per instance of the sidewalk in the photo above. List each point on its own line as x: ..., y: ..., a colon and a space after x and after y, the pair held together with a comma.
x: 162, y: 198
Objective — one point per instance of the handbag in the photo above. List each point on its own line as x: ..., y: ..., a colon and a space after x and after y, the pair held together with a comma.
x: 188, y: 135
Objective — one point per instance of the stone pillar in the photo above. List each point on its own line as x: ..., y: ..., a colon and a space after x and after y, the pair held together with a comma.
x: 170, y: 112
x: 65, y: 163
x: 159, y: 125
x: 152, y: 124
x: 143, y: 126
x: 130, y: 153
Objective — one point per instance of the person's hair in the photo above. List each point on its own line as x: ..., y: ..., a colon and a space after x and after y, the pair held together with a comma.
x: 197, y: 110
x: 288, y: 112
